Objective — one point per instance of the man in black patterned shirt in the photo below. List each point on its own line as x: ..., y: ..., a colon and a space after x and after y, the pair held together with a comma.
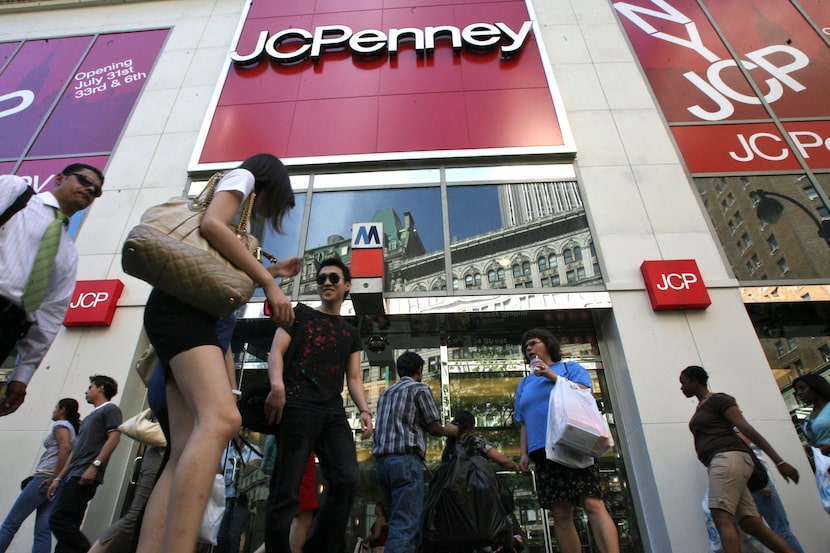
x: 306, y: 402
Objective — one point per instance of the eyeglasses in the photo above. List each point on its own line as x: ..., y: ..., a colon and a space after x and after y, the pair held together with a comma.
x: 334, y: 278
x: 532, y: 343
x: 96, y: 188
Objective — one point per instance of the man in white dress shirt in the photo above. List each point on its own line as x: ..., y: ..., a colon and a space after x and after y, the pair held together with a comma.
x: 34, y: 329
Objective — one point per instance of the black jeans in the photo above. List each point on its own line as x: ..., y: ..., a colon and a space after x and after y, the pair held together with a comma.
x: 68, y: 515
x: 331, y: 439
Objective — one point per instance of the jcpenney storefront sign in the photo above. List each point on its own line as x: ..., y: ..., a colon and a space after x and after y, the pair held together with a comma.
x: 295, y: 45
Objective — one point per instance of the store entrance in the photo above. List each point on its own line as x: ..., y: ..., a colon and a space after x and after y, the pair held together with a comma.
x: 472, y: 363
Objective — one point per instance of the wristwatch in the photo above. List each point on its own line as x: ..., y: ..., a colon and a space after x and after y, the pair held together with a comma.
x: 96, y: 463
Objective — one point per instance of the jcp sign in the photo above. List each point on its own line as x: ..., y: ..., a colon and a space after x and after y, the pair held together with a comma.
x: 675, y: 284
x: 93, y: 303
x: 294, y: 45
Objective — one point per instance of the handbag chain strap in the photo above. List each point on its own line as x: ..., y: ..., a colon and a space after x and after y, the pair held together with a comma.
x: 204, y: 199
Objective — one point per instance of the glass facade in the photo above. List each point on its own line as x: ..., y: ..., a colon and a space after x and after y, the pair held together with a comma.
x: 448, y: 231
x: 472, y: 363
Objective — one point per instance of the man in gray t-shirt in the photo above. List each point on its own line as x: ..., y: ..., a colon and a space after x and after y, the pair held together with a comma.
x: 83, y: 473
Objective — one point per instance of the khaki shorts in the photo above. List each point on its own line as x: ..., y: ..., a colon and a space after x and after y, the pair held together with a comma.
x: 728, y: 474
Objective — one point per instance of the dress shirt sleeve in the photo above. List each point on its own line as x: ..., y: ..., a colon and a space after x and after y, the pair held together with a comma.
x: 48, y: 319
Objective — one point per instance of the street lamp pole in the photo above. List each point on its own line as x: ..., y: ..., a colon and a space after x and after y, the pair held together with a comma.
x: 769, y: 210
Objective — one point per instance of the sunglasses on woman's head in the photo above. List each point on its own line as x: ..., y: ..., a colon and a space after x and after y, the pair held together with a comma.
x: 334, y: 278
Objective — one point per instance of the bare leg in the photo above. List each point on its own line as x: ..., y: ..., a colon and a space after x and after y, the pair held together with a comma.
x: 729, y: 536
x: 754, y: 526
x: 200, y: 376
x: 300, y: 525
x: 564, y: 528
x: 155, y: 515
x: 602, y: 525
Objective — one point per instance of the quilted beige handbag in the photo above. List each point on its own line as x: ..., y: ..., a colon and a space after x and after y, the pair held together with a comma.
x: 168, y: 251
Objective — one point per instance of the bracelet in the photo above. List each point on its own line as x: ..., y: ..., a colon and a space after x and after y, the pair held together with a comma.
x: 237, y: 393
x: 366, y: 411
x: 780, y: 463
x: 57, y: 479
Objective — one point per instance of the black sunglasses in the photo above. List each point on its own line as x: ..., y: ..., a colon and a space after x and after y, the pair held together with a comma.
x: 96, y: 188
x: 334, y: 278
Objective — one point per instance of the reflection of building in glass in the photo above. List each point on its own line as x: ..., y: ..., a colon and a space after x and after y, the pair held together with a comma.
x: 520, y: 203
x: 544, y: 242
x: 757, y: 250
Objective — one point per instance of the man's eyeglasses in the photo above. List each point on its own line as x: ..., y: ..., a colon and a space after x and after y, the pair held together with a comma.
x: 334, y: 278
x: 530, y: 343
x: 96, y: 188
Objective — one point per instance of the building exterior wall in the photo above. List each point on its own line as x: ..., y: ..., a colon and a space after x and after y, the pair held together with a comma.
x: 640, y: 204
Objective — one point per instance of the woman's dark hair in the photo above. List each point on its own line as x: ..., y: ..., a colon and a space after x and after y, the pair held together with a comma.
x: 275, y: 197
x: 547, y: 338
x: 465, y: 421
x: 817, y: 383
x: 696, y: 373
x: 70, y: 411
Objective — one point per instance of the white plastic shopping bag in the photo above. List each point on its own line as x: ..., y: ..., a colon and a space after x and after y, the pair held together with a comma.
x: 822, y: 477
x: 215, y: 510
x: 575, y: 422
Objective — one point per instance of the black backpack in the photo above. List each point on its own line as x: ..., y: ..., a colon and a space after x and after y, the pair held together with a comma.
x: 466, y: 507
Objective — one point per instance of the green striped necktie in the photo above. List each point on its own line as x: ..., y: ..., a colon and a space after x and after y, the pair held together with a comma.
x: 44, y: 261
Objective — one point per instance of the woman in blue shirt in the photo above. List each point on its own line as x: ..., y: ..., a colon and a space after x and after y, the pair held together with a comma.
x: 559, y: 488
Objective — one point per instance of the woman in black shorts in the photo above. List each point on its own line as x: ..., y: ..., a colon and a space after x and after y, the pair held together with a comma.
x: 201, y: 407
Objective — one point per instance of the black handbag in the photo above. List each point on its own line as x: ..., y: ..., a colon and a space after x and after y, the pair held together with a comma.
x: 759, y: 478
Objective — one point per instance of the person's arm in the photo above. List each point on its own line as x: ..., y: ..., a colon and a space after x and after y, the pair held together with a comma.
x: 32, y: 348
x: 285, y: 268
x: 58, y: 478
x: 435, y: 428
x: 354, y: 382
x: 113, y: 437
x: 541, y: 369
x: 61, y: 434
x: 275, y: 401
x: 734, y: 415
x: 497, y: 456
x: 524, y: 459
x: 215, y: 229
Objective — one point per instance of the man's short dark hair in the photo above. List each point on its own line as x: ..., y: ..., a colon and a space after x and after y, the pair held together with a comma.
x: 109, y: 385
x: 409, y: 364
x: 77, y: 167
x: 336, y: 262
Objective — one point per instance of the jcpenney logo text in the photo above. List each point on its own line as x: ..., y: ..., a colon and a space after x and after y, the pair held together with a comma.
x: 295, y: 45
x: 777, y: 62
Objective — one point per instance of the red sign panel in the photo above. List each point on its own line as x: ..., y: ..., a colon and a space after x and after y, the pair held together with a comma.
x: 767, y: 53
x: 675, y: 284
x: 362, y: 79
x: 93, y: 303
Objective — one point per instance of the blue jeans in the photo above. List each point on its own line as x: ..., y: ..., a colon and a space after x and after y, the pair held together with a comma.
x: 234, y: 523
x: 772, y: 511
x: 401, y: 479
x: 329, y: 436
x: 32, y: 498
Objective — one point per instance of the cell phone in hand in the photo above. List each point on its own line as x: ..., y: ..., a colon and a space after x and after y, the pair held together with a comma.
x: 267, y: 309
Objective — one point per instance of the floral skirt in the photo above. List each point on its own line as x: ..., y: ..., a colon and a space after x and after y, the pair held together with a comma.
x: 557, y: 483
